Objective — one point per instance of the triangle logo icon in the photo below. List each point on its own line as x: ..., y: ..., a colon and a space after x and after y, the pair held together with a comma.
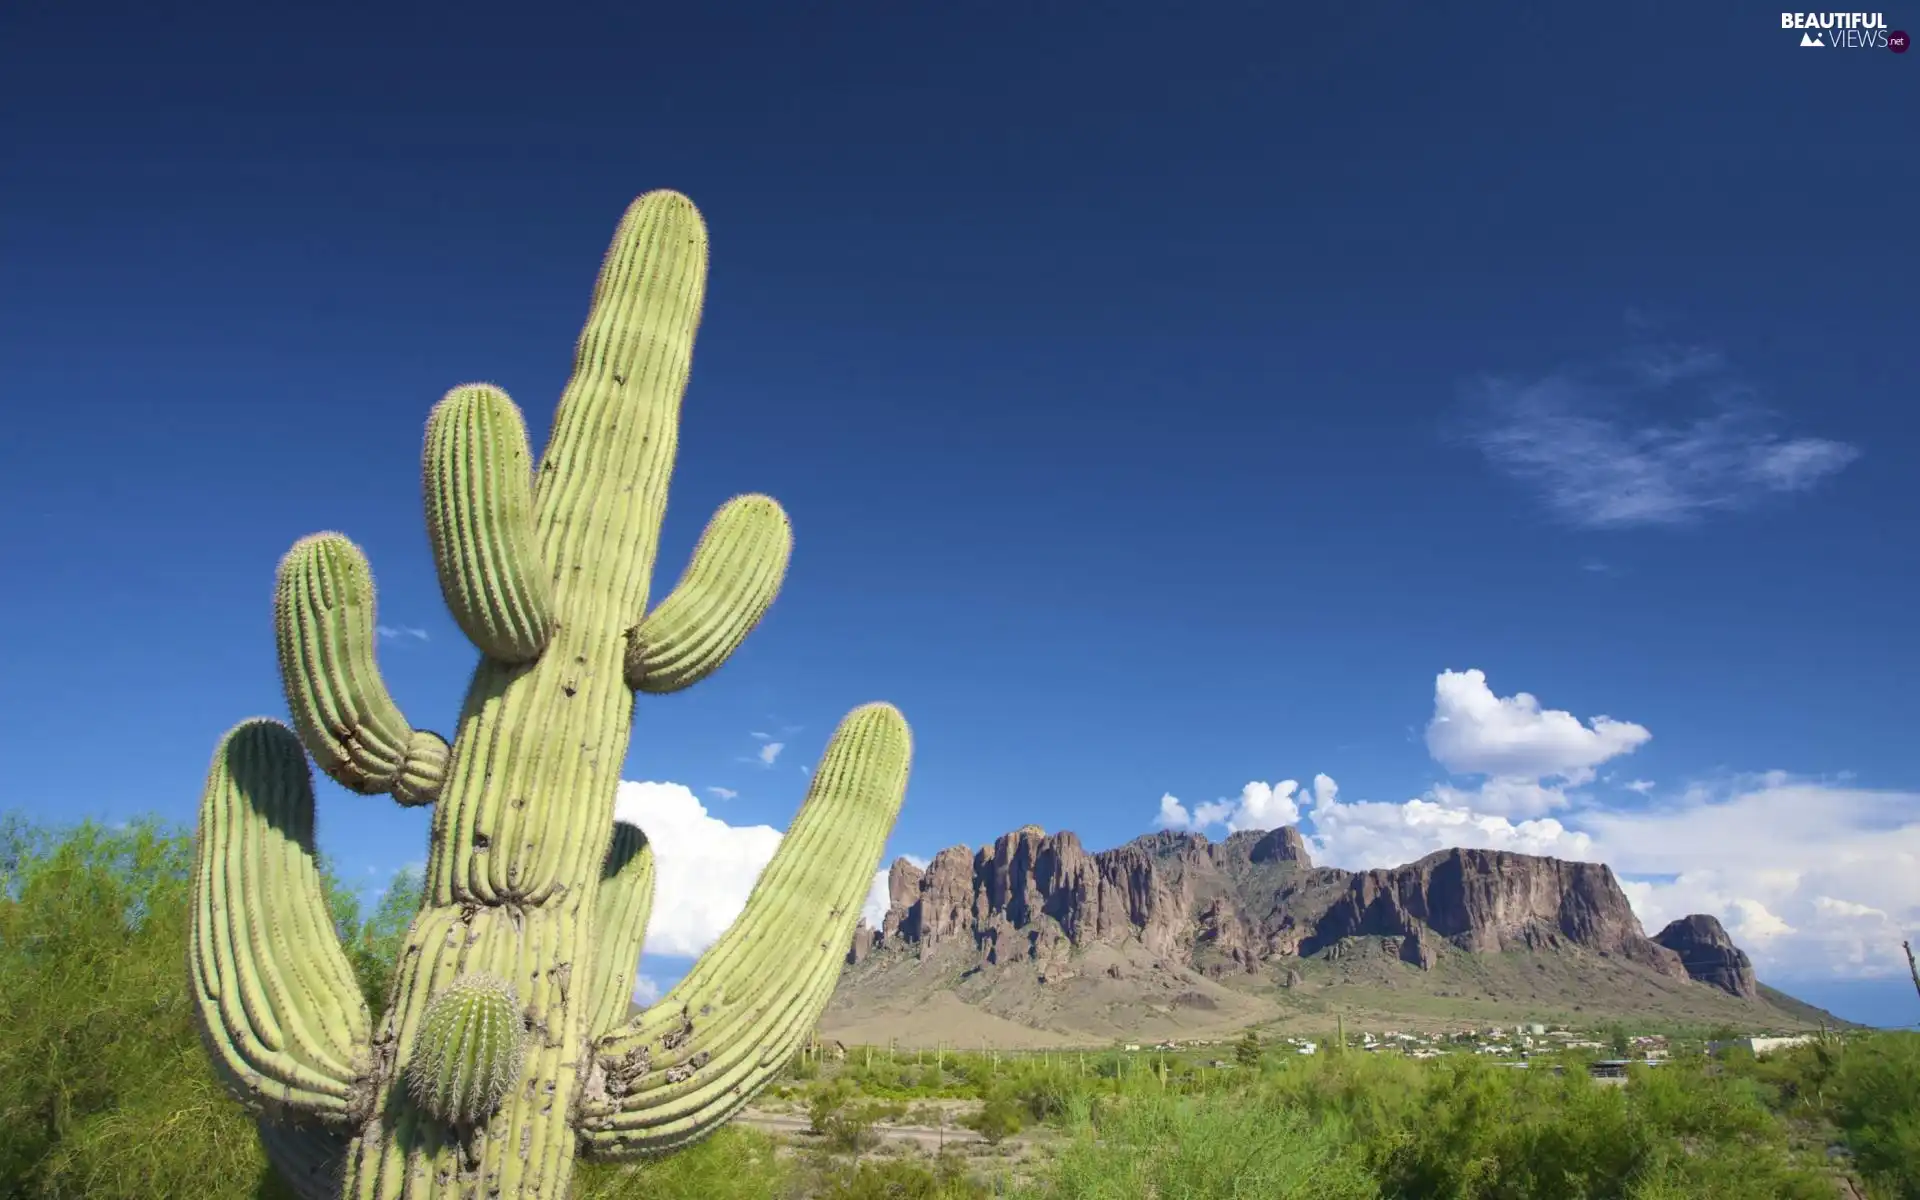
x: 1807, y: 39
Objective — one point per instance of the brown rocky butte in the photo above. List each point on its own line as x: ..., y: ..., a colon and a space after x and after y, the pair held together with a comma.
x: 1709, y: 955
x: 1239, y: 904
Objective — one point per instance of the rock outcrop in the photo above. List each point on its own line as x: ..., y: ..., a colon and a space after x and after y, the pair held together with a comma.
x: 1489, y: 901
x: 1237, y: 905
x: 1709, y: 955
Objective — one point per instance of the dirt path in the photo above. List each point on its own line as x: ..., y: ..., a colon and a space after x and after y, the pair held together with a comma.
x: 926, y: 1137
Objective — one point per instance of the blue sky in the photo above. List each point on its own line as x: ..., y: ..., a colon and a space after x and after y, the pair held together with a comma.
x: 1163, y: 401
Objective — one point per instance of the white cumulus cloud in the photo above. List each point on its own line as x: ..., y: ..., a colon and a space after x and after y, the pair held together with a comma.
x: 1258, y: 806
x: 704, y: 867
x: 1474, y: 732
x: 1811, y: 878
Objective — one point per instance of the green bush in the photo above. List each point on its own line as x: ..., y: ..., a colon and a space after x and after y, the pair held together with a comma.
x: 105, y: 1091
x: 733, y: 1164
x: 1198, y: 1148
x: 1876, y: 1104
x: 897, y: 1180
x: 1247, y: 1052
x: 1047, y: 1094
x: 998, y: 1119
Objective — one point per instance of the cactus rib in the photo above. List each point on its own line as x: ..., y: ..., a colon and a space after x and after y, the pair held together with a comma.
x: 683, y: 1066
x: 478, y: 474
x: 323, y: 607
x: 619, y: 927
x: 734, y: 574
x: 274, y: 995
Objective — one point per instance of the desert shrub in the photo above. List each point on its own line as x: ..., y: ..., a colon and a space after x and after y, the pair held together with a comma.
x: 1200, y: 1148
x: 373, y: 944
x: 824, y: 1101
x: 1247, y: 1052
x: 1876, y: 1104
x: 851, y: 1129
x: 105, y: 1091
x: 998, y: 1119
x: 1047, y: 1095
x: 947, y: 1179
x: 1493, y: 1132
x: 837, y: 1113
x: 1463, y: 1127
x: 734, y: 1164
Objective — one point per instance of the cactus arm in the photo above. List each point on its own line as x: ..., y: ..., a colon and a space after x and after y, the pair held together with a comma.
x: 602, y: 484
x: 619, y: 927
x: 478, y: 475
x: 273, y: 992
x: 735, y: 572
x: 309, y: 1160
x: 323, y: 622
x: 680, y: 1069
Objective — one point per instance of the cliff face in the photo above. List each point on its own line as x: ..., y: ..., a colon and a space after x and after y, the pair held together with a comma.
x: 1236, y: 905
x: 1488, y: 901
x: 1709, y: 955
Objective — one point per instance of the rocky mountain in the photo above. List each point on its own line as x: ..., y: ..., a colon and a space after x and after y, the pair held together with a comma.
x: 1173, y: 919
x: 1257, y: 897
x: 1709, y: 955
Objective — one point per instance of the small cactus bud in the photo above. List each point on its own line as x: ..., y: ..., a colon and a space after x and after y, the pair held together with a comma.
x: 469, y: 1050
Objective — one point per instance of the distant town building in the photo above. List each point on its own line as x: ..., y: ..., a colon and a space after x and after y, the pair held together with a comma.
x: 1761, y: 1046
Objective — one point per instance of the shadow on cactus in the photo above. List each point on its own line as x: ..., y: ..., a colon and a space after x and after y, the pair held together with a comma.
x: 506, y: 1049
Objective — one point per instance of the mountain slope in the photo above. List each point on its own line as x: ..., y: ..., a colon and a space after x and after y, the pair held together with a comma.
x: 1034, y: 939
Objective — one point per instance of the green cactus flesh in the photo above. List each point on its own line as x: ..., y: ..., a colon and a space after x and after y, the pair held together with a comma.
x: 506, y: 1048
x: 469, y: 1050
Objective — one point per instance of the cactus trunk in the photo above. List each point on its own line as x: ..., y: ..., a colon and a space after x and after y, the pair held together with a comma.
x: 527, y: 1149
x: 493, y: 905
x: 505, y: 1050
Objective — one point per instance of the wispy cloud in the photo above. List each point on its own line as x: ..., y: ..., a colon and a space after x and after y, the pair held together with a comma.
x: 720, y: 793
x: 395, y: 633
x: 1583, y: 440
x: 768, y: 752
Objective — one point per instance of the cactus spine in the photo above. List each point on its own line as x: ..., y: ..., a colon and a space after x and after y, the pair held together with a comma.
x: 505, y: 1049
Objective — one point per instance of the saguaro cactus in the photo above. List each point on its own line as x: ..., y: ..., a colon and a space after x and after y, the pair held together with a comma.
x: 506, y: 1049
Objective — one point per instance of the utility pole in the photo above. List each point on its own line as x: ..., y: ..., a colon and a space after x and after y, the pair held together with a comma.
x: 1912, y: 969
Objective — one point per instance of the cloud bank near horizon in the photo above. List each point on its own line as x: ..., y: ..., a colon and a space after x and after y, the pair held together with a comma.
x: 1811, y: 878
